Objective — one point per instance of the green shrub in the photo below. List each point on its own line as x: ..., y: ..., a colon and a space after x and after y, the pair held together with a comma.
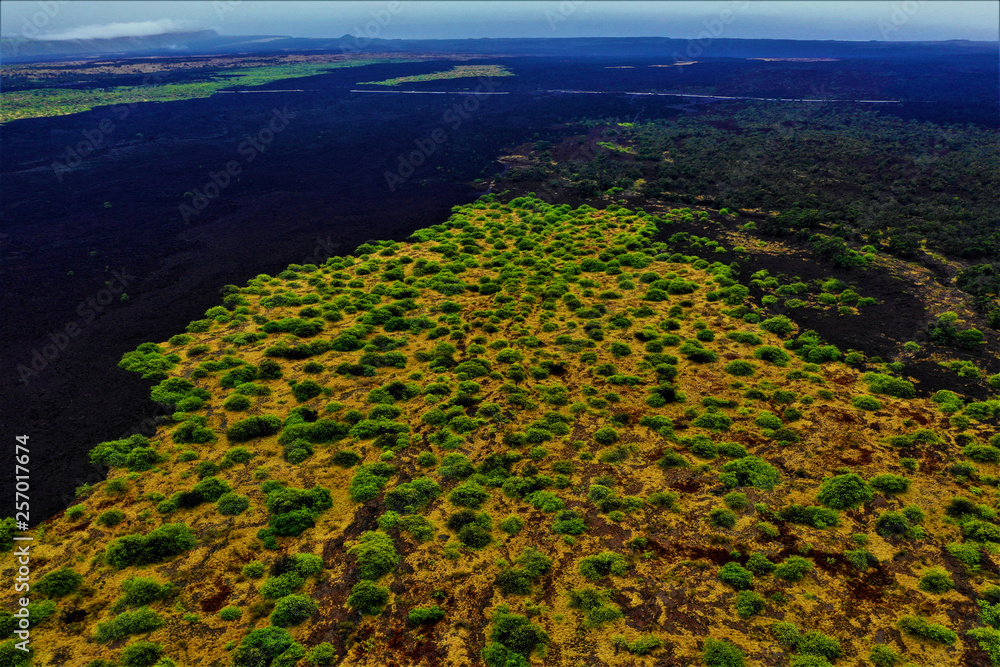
x: 469, y: 494
x: 161, y: 544
x: 254, y: 569
x: 292, y: 610
x: 237, y: 403
x: 141, y: 591
x: 794, y: 568
x: 749, y: 603
x: 720, y: 653
x: 232, y: 504
x: 920, y: 627
x: 141, y: 654
x: 375, y: 553
x: 893, y: 525
x: 76, y: 512
x: 127, y: 623
x: 817, y: 643
x: 866, y: 403
x: 786, y: 633
x: 261, y: 647
x: 230, y: 613
x: 882, y: 655
x: 512, y: 525
x: 982, y: 453
x: 772, y: 354
x: 888, y: 385
x: 720, y: 517
x: 306, y: 390
x: 759, y: 564
x: 740, y: 368
x: 845, y: 492
x: 368, y: 598
x: 281, y: 585
x: 779, y: 325
x: 818, y: 517
x: 420, y: 615
x: 606, y: 436
x: 369, y: 480
x: 456, y: 466
x: 603, y: 564
x: 256, y: 426
x: 642, y: 646
x: 58, y: 583
x: 736, y: 575
x: 713, y: 421
x: 410, y: 496
x: 888, y: 483
x: 749, y: 471
x: 512, y: 633
x: 936, y: 580
x: 768, y: 420
x: 323, y: 654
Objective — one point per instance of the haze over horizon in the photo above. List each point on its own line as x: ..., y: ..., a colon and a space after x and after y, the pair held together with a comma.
x: 850, y: 20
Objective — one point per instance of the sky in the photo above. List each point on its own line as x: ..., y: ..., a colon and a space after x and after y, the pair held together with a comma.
x: 893, y: 20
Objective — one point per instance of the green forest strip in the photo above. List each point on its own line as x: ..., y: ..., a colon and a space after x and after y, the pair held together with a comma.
x: 45, y: 102
x: 457, y: 72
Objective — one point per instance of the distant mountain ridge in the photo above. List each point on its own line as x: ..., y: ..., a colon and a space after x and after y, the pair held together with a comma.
x: 202, y: 42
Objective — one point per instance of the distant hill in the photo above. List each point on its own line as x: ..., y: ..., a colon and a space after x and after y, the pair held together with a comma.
x: 209, y: 41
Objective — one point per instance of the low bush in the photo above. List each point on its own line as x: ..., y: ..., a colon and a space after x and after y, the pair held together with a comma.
x: 59, y: 582
x: 888, y: 385
x: 920, y: 627
x: 230, y: 613
x: 141, y: 654
x: 888, y: 483
x: 161, y: 544
x: 261, y: 647
x: 603, y: 564
x: 140, y: 592
x: 256, y: 426
x: 845, y: 492
x: 292, y: 610
x: 421, y: 615
x: 749, y: 603
x: 749, y: 471
x: 794, y: 568
x: 740, y: 368
x: 368, y: 598
x: 720, y: 653
x: 232, y: 504
x: 720, y: 517
x: 936, y: 580
x: 140, y: 621
x: 512, y: 636
x: 772, y: 354
x: 376, y: 555
x: 736, y: 575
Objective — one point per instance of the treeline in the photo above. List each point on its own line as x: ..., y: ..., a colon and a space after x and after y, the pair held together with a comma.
x: 867, y: 177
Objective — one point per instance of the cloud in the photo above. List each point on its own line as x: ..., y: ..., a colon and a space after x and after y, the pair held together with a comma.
x: 110, y: 30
